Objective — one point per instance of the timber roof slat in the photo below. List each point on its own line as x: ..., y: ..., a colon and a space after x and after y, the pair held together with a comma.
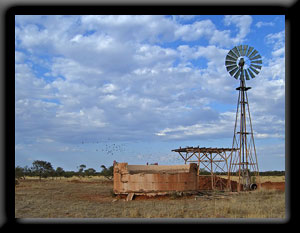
x: 204, y: 149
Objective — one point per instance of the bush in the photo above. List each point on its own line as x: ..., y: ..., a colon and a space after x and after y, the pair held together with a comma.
x: 107, y: 173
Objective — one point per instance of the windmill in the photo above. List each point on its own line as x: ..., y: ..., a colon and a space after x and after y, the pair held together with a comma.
x: 243, y: 62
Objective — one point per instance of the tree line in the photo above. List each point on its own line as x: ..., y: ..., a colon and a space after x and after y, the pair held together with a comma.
x: 44, y: 169
x: 261, y: 173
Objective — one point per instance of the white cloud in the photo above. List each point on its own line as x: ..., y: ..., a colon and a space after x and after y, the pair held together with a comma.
x: 204, y: 29
x: 279, y: 52
x: 115, y: 75
x: 109, y: 88
x: 242, y: 22
x: 216, y: 128
x: 277, y: 40
x: 27, y: 83
x: 190, y: 32
x: 150, y: 56
x: 263, y: 24
x: 19, y: 57
x: 130, y: 27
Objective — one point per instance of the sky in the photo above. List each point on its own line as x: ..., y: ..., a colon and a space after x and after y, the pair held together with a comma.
x: 92, y: 89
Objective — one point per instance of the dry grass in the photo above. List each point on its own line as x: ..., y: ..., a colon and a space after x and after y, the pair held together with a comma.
x: 92, y: 198
x: 262, y: 178
x: 86, y: 178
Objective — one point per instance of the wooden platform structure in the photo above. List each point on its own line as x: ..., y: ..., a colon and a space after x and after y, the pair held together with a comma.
x: 212, y: 160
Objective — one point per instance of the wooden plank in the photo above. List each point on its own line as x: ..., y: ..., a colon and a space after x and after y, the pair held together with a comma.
x: 129, y: 197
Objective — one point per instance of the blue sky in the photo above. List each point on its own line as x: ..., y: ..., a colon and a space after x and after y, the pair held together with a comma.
x: 92, y: 89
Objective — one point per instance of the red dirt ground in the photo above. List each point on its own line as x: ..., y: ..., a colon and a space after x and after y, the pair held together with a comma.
x: 273, y: 185
x: 92, y: 182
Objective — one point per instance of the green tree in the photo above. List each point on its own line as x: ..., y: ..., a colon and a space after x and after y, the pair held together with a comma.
x: 90, y: 171
x: 42, y: 168
x: 27, y: 171
x: 80, y: 171
x: 59, y: 172
x: 107, y: 172
x: 69, y: 174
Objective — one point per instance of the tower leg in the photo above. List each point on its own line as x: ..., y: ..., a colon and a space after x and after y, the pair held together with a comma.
x: 244, y: 161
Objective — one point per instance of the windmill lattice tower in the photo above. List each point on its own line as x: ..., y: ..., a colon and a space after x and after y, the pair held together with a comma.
x: 243, y: 62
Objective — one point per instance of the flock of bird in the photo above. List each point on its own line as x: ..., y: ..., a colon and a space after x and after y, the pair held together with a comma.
x: 108, y: 148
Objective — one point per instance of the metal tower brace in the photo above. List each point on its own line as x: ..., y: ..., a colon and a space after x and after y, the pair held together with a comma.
x: 244, y: 159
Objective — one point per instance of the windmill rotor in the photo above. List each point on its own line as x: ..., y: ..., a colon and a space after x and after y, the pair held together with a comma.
x: 243, y: 62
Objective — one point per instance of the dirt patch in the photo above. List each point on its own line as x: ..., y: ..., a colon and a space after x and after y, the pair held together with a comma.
x: 96, y: 198
x: 108, y: 182
x: 145, y: 197
x: 273, y: 185
x: 168, y: 196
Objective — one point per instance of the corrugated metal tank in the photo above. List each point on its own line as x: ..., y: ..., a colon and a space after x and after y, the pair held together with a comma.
x: 154, y: 178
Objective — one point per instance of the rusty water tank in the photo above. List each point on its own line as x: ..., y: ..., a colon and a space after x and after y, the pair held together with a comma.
x: 154, y: 178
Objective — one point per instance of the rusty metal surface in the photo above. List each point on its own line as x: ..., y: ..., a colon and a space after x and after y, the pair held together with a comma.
x: 154, y: 178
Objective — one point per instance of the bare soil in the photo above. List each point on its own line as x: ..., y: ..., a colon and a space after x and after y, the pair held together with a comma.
x: 273, y: 185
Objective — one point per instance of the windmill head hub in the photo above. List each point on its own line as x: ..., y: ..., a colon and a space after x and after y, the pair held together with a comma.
x: 243, y: 62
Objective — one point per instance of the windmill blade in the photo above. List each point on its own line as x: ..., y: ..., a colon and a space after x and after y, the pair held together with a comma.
x: 237, y: 74
x: 240, y: 48
x: 233, y: 54
x: 254, y: 70
x: 249, y: 51
x: 245, y: 47
x: 257, y: 62
x: 256, y: 57
x: 235, y: 50
x: 232, y: 72
x: 246, y: 74
x: 230, y: 58
x: 251, y: 74
x: 256, y: 66
x: 229, y: 68
x: 229, y: 62
x: 253, y: 54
